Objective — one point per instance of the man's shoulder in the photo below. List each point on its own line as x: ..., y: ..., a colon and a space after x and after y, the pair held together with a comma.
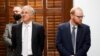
x: 16, y: 25
x: 85, y: 25
x: 63, y: 24
x: 9, y: 24
x: 37, y: 24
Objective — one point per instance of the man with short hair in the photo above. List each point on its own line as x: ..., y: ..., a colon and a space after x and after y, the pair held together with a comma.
x: 28, y: 36
x: 7, y: 34
x: 73, y: 37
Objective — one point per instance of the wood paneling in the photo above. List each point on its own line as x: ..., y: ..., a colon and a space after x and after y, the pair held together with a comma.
x: 50, y: 13
x: 56, y: 13
x: 2, y: 26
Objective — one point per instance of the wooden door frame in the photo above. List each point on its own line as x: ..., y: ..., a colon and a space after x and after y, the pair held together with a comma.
x: 66, y: 6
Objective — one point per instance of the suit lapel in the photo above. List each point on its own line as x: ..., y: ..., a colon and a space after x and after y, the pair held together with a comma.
x: 20, y: 33
x: 33, y: 30
x: 34, y: 33
x: 20, y: 30
x: 69, y: 34
x: 79, y: 33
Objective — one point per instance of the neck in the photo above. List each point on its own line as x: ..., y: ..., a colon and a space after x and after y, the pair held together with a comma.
x: 26, y: 22
x: 73, y: 23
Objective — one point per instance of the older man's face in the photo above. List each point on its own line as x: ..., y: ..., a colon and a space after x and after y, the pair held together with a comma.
x: 78, y: 16
x: 26, y: 15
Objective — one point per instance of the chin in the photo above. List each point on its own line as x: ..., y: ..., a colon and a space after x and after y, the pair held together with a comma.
x: 24, y: 20
x: 79, y: 23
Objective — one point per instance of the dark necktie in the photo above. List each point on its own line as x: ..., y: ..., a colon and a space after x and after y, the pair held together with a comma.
x: 73, y: 39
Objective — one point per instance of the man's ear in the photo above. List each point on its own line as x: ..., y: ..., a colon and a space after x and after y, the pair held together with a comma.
x: 71, y: 15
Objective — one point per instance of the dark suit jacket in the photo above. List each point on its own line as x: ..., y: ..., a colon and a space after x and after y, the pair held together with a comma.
x: 64, y: 41
x: 37, y: 39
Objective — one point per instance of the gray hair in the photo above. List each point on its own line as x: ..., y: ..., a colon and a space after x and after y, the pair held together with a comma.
x: 28, y: 7
x: 72, y: 11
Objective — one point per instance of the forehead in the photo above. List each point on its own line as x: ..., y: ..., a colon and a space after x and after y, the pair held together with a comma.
x: 25, y: 10
x: 17, y: 9
x: 78, y: 12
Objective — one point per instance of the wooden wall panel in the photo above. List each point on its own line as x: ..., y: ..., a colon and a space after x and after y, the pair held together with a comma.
x: 2, y: 26
x: 54, y: 17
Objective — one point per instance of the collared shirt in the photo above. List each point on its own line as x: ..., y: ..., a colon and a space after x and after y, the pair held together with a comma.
x: 26, y: 41
x: 71, y: 29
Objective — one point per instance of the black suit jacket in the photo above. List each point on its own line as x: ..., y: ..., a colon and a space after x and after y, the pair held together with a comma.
x: 37, y: 39
x: 64, y: 41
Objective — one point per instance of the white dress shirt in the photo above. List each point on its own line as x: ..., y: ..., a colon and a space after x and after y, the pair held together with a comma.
x: 71, y: 28
x: 26, y: 39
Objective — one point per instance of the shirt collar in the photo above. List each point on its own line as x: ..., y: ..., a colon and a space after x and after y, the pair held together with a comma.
x: 71, y: 25
x: 29, y: 24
